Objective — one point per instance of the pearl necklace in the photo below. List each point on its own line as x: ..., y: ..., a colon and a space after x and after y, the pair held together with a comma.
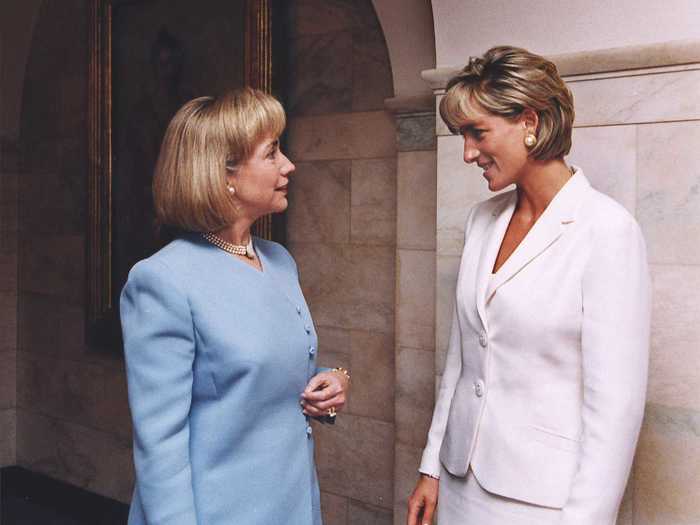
x: 235, y: 249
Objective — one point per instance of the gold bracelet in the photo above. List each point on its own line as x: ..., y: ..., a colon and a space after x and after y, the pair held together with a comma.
x: 342, y: 371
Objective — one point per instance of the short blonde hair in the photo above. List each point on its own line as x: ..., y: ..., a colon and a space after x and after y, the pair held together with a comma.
x: 506, y: 81
x: 205, y: 136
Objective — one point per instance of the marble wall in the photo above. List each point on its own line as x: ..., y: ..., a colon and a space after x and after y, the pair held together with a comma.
x: 8, y: 297
x: 342, y: 233
x: 636, y: 137
x: 72, y: 416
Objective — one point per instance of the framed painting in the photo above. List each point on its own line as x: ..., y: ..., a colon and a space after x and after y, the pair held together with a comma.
x: 148, y: 57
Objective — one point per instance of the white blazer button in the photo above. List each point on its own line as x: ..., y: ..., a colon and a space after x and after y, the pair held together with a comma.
x: 479, y: 388
x: 308, y: 329
x: 312, y: 350
x: 483, y: 341
x: 299, y: 310
x: 309, y: 430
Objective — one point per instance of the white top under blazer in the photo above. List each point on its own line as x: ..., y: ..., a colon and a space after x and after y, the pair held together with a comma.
x: 545, y: 378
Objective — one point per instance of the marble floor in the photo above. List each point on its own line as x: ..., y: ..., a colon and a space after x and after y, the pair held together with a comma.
x: 30, y: 499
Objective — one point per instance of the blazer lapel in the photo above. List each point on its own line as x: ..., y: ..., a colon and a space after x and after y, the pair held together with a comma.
x: 543, y: 234
x: 493, y: 235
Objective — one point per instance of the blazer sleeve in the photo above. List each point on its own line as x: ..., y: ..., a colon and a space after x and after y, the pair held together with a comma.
x: 615, y: 352
x: 159, y: 348
x: 430, y: 461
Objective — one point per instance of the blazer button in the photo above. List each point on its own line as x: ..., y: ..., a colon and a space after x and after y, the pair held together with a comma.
x: 479, y: 388
x: 483, y: 341
x: 309, y: 431
x: 299, y: 310
x: 308, y: 329
x: 312, y: 350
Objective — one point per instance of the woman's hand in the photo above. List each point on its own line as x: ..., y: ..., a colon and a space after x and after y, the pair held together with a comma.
x: 422, y: 503
x: 325, y: 391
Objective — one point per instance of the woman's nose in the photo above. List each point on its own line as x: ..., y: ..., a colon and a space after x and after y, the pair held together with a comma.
x: 470, y: 152
x: 287, y: 165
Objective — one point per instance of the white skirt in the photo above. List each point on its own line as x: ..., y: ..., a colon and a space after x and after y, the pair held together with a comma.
x: 462, y: 501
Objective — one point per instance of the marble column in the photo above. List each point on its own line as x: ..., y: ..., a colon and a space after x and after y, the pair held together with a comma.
x: 415, y: 289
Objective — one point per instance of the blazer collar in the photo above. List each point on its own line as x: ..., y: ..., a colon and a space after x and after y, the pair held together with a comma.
x: 560, y: 212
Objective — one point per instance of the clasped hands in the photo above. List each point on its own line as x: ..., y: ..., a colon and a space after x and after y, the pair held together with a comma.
x: 326, y: 393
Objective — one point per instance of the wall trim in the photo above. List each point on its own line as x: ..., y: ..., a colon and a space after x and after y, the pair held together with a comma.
x: 618, y: 59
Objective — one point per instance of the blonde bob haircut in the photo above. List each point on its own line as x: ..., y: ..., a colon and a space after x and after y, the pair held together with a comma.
x: 207, y: 135
x: 506, y: 81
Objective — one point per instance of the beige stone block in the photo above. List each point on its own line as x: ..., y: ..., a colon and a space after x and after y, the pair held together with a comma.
x: 637, y: 99
x: 333, y: 347
x: 667, y: 473
x: 320, y: 81
x: 8, y: 321
x: 8, y: 437
x: 9, y: 210
x: 363, y: 514
x: 93, y: 460
x: 319, y: 202
x: 9, y: 184
x: 334, y: 509
x: 415, y: 395
x: 342, y: 136
x: 608, y: 157
x: 62, y: 326
x: 53, y: 265
x: 372, y: 82
x: 668, y: 206
x: 415, y: 299
x: 674, y: 368
x: 459, y: 187
x: 310, y: 17
x: 373, y: 201
x: 447, y: 270
x: 8, y: 261
x: 355, y: 458
x: 8, y: 379
x: 70, y: 390
x: 372, y: 369
x: 348, y: 286
x: 416, y: 199
x: 407, y: 460
x: 110, y: 411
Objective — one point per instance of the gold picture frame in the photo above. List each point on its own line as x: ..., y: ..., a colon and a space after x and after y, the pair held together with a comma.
x: 102, y: 316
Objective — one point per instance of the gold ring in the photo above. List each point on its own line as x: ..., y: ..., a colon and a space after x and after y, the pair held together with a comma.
x: 331, y: 412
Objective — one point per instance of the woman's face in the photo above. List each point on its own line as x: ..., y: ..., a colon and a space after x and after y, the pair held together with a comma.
x: 496, y: 145
x: 260, y: 182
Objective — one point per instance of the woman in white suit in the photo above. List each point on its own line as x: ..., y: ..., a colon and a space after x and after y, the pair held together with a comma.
x: 542, y: 397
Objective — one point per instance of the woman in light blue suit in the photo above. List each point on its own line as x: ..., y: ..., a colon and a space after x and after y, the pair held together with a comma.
x: 220, y: 345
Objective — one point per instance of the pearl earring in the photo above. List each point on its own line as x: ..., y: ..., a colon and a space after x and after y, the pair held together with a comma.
x: 231, y: 190
x: 530, y: 140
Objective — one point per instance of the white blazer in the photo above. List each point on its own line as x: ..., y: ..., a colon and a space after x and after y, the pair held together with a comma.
x: 544, y: 385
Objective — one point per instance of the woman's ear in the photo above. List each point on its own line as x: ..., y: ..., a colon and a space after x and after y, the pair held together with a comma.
x: 530, y: 119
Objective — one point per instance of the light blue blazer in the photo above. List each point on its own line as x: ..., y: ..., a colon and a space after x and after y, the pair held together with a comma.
x: 217, y: 355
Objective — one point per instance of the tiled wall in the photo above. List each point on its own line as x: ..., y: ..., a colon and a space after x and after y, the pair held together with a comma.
x: 72, y: 416
x: 342, y: 233
x: 637, y: 138
x: 9, y: 168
